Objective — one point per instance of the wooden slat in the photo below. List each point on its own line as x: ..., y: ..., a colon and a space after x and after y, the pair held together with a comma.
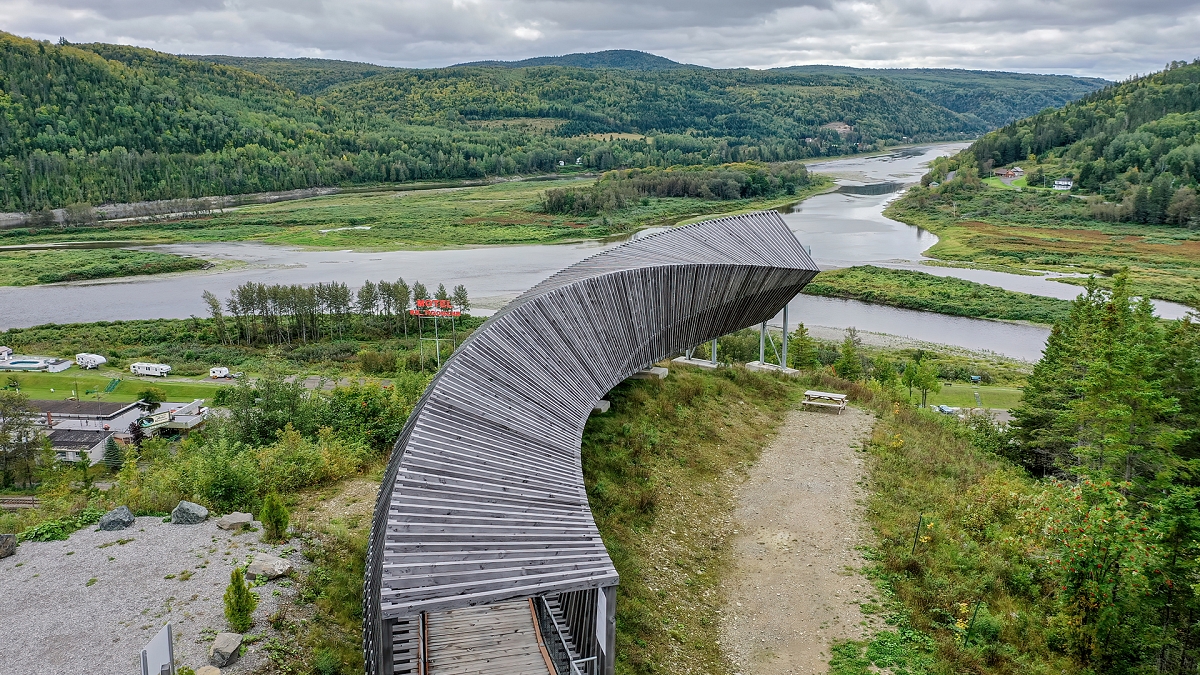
x: 483, y: 500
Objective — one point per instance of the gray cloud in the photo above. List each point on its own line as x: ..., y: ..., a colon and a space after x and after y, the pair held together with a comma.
x: 1107, y: 38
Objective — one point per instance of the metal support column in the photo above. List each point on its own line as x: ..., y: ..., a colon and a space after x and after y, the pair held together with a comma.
x: 713, y: 352
x: 609, y: 658
x: 762, y: 343
x: 783, y: 359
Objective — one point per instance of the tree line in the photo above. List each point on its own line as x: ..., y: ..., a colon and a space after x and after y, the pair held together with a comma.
x: 616, y: 190
x: 270, y: 314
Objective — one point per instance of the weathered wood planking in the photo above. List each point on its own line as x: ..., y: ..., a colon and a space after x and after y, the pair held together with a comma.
x: 483, y: 500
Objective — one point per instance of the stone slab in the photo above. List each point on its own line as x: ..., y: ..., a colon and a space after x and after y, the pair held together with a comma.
x: 268, y: 566
x: 601, y: 406
x: 657, y: 372
x: 771, y: 368
x: 699, y: 363
x: 224, y: 649
x: 235, y: 521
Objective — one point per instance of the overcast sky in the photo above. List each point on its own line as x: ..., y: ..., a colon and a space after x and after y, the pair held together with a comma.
x: 1105, y: 38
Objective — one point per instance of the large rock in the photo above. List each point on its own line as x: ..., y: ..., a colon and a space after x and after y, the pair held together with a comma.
x: 235, y: 521
x: 188, y: 513
x: 117, y: 519
x: 8, y: 545
x: 224, y: 649
x: 268, y: 566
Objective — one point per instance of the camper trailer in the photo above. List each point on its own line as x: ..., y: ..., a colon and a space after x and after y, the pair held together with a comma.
x: 152, y: 369
x: 89, y: 361
x: 218, y: 372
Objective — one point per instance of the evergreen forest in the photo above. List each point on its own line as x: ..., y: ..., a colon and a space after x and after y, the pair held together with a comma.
x: 101, y: 123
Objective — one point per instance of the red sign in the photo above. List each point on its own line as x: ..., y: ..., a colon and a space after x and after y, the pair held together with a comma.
x: 440, y: 308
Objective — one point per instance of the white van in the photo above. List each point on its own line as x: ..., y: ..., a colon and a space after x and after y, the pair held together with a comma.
x: 88, y: 361
x: 218, y: 373
x: 152, y: 369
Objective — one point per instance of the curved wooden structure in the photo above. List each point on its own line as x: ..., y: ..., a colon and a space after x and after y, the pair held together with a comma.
x: 483, y: 502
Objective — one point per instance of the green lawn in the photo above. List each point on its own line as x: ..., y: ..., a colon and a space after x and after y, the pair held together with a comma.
x: 59, y: 386
x: 963, y: 395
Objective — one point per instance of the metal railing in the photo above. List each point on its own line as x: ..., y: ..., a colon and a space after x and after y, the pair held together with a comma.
x: 557, y: 646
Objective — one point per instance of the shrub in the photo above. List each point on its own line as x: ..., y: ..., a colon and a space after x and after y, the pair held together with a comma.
x: 113, y: 455
x: 376, y: 363
x: 274, y: 517
x: 239, y: 602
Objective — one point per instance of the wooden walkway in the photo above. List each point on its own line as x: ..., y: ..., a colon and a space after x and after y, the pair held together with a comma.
x: 483, y: 501
x: 497, y: 638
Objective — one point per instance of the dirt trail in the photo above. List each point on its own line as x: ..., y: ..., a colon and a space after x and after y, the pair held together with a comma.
x: 794, y: 588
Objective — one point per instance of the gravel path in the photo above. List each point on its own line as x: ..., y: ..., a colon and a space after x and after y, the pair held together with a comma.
x: 89, y: 604
x: 795, y: 587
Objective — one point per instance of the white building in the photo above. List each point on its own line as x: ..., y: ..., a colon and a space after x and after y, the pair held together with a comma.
x: 5, y: 352
x: 1063, y: 183
x: 151, y: 369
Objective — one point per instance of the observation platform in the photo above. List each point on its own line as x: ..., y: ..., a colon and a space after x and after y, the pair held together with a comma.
x: 483, y: 508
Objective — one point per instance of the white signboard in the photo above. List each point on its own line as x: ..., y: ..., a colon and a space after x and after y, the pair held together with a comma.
x: 158, y: 658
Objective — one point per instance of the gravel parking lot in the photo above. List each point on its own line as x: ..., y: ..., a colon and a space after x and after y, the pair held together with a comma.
x: 89, y: 604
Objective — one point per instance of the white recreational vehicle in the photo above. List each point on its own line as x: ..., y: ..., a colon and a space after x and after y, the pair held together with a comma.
x: 152, y: 369
x: 218, y: 372
x: 89, y: 361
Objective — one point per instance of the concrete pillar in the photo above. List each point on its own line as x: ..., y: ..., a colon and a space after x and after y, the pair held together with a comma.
x: 713, y: 352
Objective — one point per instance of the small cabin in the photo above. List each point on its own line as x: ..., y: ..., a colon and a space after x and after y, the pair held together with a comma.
x: 5, y: 353
x: 150, y: 369
x: 1063, y: 183
x: 1017, y: 171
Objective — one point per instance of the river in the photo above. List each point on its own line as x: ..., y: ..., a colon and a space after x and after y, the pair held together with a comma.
x: 842, y: 228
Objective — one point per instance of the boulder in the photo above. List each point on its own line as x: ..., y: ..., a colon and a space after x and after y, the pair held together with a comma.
x: 208, y: 670
x: 235, y: 521
x: 8, y: 545
x: 188, y: 513
x: 117, y: 519
x: 268, y: 566
x: 224, y: 649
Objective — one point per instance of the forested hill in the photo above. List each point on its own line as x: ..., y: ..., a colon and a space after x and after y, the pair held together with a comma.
x: 996, y: 98
x: 303, y: 76
x: 625, y: 59
x: 102, y: 123
x: 1137, y: 143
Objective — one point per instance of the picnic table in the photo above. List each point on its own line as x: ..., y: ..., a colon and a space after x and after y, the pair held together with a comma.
x: 825, y: 399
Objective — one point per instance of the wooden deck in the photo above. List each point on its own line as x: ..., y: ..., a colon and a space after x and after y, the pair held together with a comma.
x: 483, y: 501
x: 497, y: 639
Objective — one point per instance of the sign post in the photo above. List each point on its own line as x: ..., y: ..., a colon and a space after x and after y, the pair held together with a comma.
x: 435, y: 310
x: 158, y: 658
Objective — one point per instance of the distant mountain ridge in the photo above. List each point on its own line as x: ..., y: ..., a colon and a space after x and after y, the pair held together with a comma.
x: 619, y: 59
x: 101, y: 123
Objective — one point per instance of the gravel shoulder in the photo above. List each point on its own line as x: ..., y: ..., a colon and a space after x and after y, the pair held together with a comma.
x: 90, y: 603
x: 795, y: 584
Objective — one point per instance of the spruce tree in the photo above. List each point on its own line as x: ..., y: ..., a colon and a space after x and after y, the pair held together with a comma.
x: 848, y: 365
x: 240, y: 602
x: 274, y: 517
x: 113, y: 456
